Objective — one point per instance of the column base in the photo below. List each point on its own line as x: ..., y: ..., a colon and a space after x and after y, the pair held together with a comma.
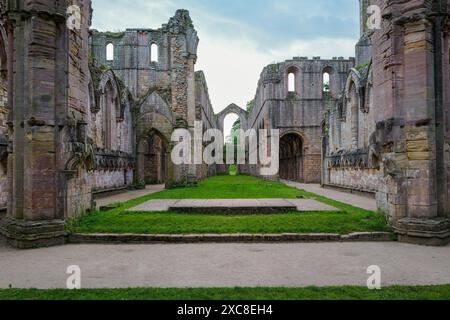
x: 427, y: 232
x: 33, y: 234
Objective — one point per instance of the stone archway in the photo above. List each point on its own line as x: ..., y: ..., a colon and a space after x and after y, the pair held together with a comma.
x: 292, y: 157
x: 243, y: 116
x: 233, y: 109
x: 152, y: 157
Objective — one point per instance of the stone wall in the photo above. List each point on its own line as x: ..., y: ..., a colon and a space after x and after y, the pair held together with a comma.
x: 301, y: 110
x: 352, y: 158
x: 368, y: 180
x: 161, y: 82
x: 205, y: 114
x: 75, y: 123
x: 107, y: 180
x: 389, y: 132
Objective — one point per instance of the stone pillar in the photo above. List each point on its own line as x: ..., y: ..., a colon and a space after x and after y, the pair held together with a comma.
x: 38, y: 90
x: 408, y: 75
x: 183, y: 44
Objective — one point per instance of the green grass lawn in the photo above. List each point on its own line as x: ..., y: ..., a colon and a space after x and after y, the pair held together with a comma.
x: 309, y: 293
x: 231, y: 187
x: 345, y: 220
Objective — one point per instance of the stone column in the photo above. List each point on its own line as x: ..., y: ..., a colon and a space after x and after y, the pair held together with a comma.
x: 183, y: 50
x: 191, y: 113
x: 39, y: 39
x: 409, y: 77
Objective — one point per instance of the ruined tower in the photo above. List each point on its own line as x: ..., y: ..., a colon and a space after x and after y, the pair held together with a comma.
x: 158, y: 68
x: 364, y: 45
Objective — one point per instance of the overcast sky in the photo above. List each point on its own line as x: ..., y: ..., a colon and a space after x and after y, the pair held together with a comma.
x: 238, y: 38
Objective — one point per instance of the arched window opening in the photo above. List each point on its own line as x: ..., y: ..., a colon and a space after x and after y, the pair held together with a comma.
x: 231, y: 129
x: 110, y: 52
x: 154, y: 54
x: 354, y: 115
x: 291, y: 82
x: 108, y: 116
x: 232, y: 125
x: 326, y: 82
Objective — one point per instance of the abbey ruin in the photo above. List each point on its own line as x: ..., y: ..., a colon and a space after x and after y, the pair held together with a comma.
x: 84, y: 113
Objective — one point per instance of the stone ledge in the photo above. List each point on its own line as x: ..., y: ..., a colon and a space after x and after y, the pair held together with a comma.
x: 351, y: 190
x: 226, y: 238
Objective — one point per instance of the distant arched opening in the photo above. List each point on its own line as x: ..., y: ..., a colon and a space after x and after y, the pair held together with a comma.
x: 108, y: 116
x: 291, y: 82
x: 326, y: 82
x: 154, y: 53
x: 291, y: 157
x: 109, y: 52
x: 327, y: 87
x: 232, y: 127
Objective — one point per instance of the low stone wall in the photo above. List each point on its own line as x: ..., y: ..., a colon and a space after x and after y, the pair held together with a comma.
x: 111, y: 179
x: 228, y: 238
x: 369, y: 180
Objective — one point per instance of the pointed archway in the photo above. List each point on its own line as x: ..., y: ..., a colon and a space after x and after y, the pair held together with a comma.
x: 152, y: 157
x: 292, y: 157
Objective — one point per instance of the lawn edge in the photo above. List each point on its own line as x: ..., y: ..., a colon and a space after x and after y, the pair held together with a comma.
x: 307, y: 293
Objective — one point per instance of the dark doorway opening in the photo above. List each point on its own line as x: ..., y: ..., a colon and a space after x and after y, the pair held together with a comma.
x: 291, y: 158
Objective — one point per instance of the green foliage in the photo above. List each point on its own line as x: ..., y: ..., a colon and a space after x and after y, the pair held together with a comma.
x: 362, y: 66
x: 233, y: 170
x: 327, y: 95
x: 237, y: 126
x: 250, y: 106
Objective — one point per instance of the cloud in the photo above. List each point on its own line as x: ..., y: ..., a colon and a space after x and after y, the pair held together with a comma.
x: 239, y: 38
x: 233, y: 66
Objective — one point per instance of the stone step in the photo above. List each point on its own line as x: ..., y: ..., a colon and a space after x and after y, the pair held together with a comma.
x: 228, y: 238
x: 233, y: 206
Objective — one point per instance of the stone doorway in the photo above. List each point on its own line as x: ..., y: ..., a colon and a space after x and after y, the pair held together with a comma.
x: 152, y: 158
x: 291, y: 158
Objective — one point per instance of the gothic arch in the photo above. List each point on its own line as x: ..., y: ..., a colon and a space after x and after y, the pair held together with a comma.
x: 297, y: 72
x: 108, y: 76
x: 154, y: 102
x: 292, y: 153
x: 107, y: 111
x: 233, y: 108
x: 153, y: 154
x: 354, y: 78
x: 352, y: 101
x: 330, y: 70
